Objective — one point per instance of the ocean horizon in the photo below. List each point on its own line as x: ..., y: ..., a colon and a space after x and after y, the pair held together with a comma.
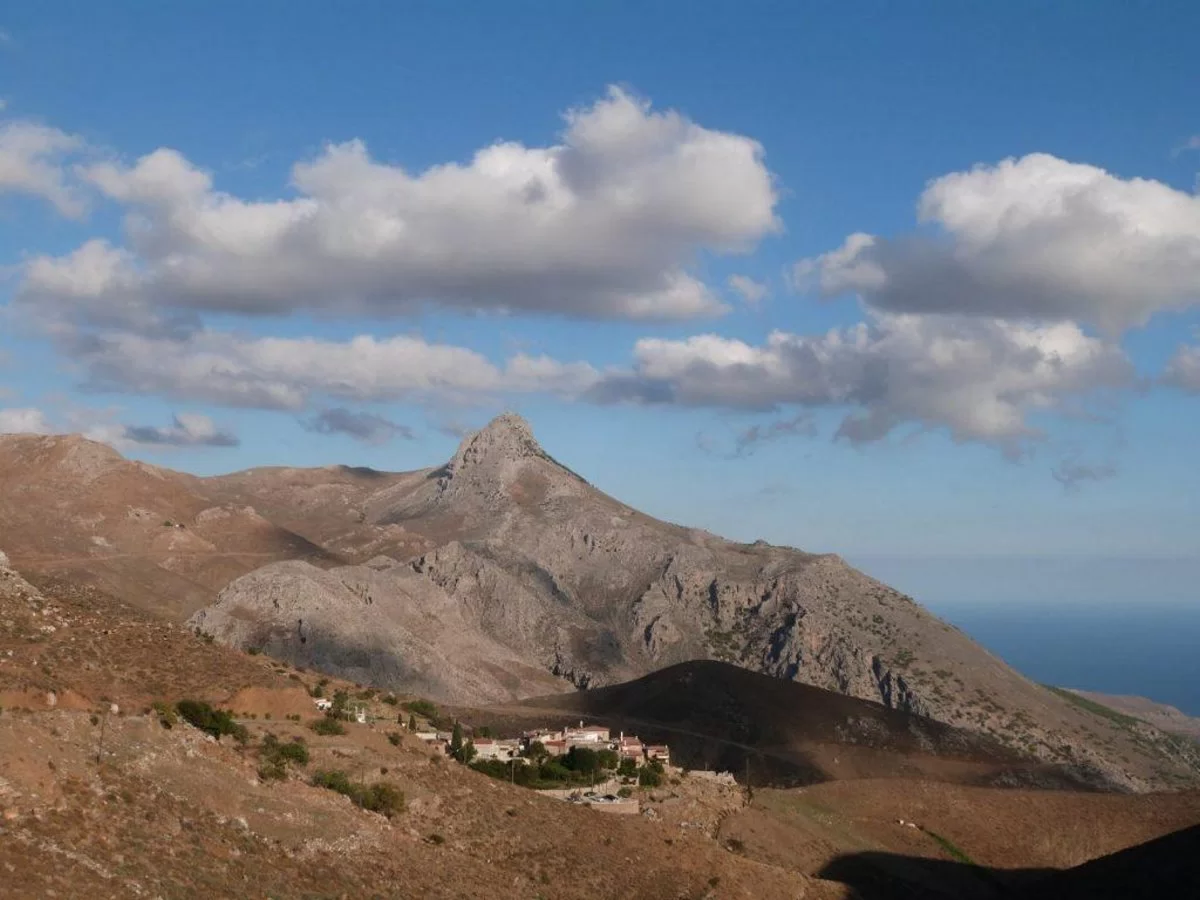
x: 1146, y: 650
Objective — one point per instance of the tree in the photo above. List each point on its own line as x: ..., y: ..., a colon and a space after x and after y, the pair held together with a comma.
x: 535, y: 751
x: 216, y: 722
x: 412, y: 722
x: 583, y: 760
x: 467, y: 753
x: 340, y: 699
x: 554, y: 770
x: 607, y: 759
x: 648, y: 776
x: 627, y: 768
x: 423, y: 708
x: 456, y: 741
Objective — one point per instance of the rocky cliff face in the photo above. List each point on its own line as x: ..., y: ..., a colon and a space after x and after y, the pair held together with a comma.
x: 533, y: 581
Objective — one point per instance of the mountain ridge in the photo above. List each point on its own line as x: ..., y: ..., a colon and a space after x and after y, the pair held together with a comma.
x: 551, y: 585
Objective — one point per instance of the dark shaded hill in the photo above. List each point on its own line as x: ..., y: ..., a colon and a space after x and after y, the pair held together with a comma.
x: 1168, y: 867
x: 1165, y: 868
x: 718, y: 716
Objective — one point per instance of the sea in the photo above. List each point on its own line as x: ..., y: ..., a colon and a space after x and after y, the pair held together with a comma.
x: 1117, y: 626
x: 1143, y: 649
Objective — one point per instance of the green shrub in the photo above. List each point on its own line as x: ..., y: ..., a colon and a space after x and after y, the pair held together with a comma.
x: 649, y: 777
x: 217, y: 722
x: 295, y: 751
x: 167, y: 717
x: 423, y: 708
x: 625, y: 792
x: 394, y: 738
x: 382, y: 797
x: 340, y: 699
x: 328, y: 725
x: 582, y: 759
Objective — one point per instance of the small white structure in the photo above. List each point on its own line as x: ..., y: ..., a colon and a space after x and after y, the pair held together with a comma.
x: 587, y: 734
x: 323, y: 704
x: 660, y: 752
x: 489, y: 748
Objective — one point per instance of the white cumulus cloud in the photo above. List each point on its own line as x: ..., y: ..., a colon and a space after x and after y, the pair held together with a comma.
x: 291, y: 373
x: 1183, y: 370
x: 605, y: 224
x: 980, y: 379
x: 1036, y: 237
x: 24, y: 420
x: 33, y: 162
x: 751, y: 291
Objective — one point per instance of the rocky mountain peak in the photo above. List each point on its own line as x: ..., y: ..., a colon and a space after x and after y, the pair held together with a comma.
x: 508, y: 438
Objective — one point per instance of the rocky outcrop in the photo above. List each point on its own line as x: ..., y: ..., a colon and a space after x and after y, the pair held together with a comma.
x: 376, y: 624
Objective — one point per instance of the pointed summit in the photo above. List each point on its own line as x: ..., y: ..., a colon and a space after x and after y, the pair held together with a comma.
x: 506, y: 439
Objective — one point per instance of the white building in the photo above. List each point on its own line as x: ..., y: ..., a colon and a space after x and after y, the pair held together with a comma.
x: 587, y: 734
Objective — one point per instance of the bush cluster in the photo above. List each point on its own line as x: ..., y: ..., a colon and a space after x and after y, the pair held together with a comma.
x: 276, y: 756
x: 651, y: 774
x: 382, y: 797
x: 217, y: 722
x: 423, y: 708
x: 328, y: 725
x: 167, y: 717
x: 579, y: 766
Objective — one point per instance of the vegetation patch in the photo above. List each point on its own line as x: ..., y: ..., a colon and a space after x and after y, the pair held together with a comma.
x: 1096, y: 709
x: 277, y: 756
x: 217, y: 722
x: 954, y: 850
x: 328, y: 726
x: 424, y: 708
x: 381, y: 797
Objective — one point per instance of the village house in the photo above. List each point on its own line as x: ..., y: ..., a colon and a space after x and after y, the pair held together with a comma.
x: 629, y: 746
x: 595, y: 737
x: 660, y: 753
x: 556, y: 748
x: 490, y: 748
x: 587, y: 735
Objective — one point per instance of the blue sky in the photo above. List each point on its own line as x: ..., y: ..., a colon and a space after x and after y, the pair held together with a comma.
x: 1012, y: 376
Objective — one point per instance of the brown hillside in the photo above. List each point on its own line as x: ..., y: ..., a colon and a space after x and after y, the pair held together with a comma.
x: 112, y: 804
x: 77, y: 509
